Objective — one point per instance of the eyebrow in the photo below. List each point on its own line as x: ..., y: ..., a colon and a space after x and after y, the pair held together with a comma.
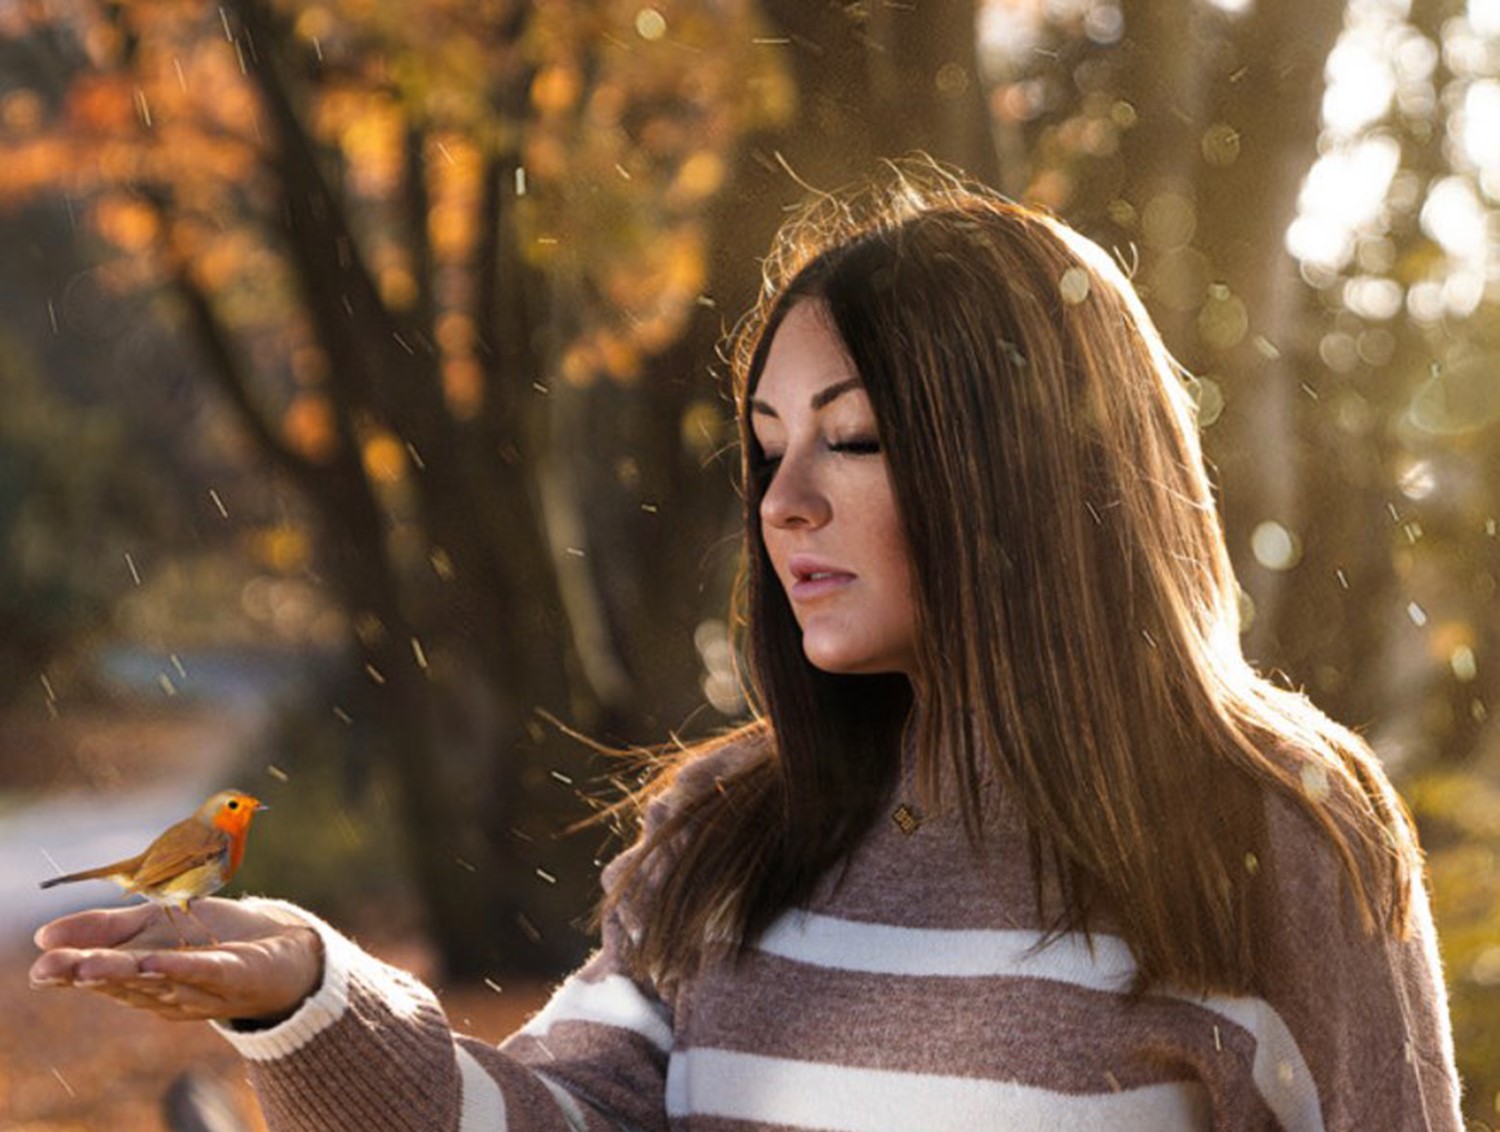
x: 819, y: 400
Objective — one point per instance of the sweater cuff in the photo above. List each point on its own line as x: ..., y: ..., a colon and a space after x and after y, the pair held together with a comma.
x: 318, y: 1011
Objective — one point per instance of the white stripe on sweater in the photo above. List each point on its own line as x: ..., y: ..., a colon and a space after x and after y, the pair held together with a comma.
x: 483, y: 1104
x: 886, y: 949
x: 612, y: 1001
x: 571, y: 1109
x: 802, y: 1094
x: 1280, y: 1071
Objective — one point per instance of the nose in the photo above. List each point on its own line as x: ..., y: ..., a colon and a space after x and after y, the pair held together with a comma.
x: 793, y: 498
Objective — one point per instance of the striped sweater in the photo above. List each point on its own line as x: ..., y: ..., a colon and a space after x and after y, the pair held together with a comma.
x: 909, y: 996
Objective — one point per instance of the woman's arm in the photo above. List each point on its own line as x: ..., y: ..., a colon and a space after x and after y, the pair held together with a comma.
x: 337, y: 1040
x: 1368, y: 1012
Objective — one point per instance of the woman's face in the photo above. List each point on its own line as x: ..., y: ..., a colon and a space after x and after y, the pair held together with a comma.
x: 828, y: 514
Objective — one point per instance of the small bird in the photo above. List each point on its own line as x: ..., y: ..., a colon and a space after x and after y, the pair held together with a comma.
x: 193, y: 858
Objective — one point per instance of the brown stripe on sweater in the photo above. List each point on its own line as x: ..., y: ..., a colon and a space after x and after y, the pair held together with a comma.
x: 1036, y: 1032
x: 530, y: 1105
x: 382, y: 1071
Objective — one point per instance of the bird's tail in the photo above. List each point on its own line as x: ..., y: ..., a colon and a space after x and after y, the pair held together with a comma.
x: 126, y: 867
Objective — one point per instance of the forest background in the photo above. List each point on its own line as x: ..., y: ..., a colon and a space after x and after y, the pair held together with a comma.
x: 364, y: 434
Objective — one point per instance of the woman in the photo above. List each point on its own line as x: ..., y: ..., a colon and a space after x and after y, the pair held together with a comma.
x: 1017, y: 840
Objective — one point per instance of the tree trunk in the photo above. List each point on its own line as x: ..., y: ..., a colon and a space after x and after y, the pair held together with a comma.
x: 868, y: 87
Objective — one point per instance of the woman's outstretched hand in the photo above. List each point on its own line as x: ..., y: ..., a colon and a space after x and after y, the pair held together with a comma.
x: 266, y: 963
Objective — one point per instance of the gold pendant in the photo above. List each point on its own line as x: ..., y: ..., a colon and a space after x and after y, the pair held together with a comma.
x: 907, y: 819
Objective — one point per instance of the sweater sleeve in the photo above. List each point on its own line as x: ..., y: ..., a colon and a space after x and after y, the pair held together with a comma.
x: 371, y: 1050
x: 1366, y: 1013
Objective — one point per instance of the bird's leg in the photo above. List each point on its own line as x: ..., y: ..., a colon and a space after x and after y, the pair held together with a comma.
x: 188, y: 908
x: 167, y: 910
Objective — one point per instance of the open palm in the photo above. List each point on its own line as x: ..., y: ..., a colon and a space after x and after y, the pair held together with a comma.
x: 265, y: 963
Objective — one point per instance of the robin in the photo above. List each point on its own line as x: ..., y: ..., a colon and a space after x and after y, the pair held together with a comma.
x: 193, y: 858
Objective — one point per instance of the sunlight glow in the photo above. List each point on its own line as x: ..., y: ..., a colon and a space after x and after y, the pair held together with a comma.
x: 1361, y: 82
x: 1381, y: 67
x: 1476, y: 126
x: 1484, y: 16
x: 1343, y: 192
x: 1454, y: 218
x: 1007, y: 35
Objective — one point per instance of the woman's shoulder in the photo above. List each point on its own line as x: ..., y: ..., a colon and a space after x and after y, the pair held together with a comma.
x: 1326, y: 817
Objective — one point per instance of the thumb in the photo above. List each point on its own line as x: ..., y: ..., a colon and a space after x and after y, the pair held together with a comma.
x: 105, y: 927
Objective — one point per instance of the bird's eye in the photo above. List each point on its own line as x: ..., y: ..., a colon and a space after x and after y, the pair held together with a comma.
x: 234, y: 805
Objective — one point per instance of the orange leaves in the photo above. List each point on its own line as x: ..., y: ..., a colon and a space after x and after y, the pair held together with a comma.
x: 604, y: 353
x: 463, y: 387
x: 454, y: 170
x: 699, y: 177
x: 31, y: 167
x: 371, y: 140
x: 128, y: 224
x: 398, y: 288
x: 20, y: 113
x: 463, y: 377
x: 556, y: 89
x: 284, y: 548
x: 315, y: 22
x: 215, y: 258
x: 100, y: 103
x: 384, y: 458
x: 308, y: 426
x: 623, y: 127
x: 671, y: 268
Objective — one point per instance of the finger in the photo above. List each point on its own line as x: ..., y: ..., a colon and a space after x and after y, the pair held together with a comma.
x: 163, y: 1002
x: 106, y: 927
x: 188, y: 1003
x: 61, y: 967
x: 95, y: 967
x: 53, y: 969
x: 204, y: 967
x: 173, y: 1001
x: 127, y: 995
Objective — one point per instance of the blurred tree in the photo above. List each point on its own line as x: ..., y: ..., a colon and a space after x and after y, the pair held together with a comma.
x: 72, y: 496
x: 442, y: 270
x: 373, y: 228
x: 1187, y: 135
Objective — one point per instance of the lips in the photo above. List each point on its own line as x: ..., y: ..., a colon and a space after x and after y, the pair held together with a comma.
x: 815, y: 578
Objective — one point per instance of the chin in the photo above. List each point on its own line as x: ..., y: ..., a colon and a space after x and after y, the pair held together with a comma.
x: 842, y: 663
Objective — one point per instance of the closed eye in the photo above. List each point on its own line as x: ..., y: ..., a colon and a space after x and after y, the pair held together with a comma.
x: 856, y: 447
x: 766, y: 466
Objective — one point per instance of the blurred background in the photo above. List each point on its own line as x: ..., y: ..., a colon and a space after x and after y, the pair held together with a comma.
x: 364, y: 438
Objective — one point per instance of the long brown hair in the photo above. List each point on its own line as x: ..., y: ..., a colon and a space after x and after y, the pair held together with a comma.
x: 1077, y: 615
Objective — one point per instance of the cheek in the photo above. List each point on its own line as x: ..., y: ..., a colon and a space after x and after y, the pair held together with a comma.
x: 887, y: 538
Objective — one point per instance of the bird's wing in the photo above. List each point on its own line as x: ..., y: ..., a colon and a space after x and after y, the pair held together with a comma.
x: 187, y: 845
